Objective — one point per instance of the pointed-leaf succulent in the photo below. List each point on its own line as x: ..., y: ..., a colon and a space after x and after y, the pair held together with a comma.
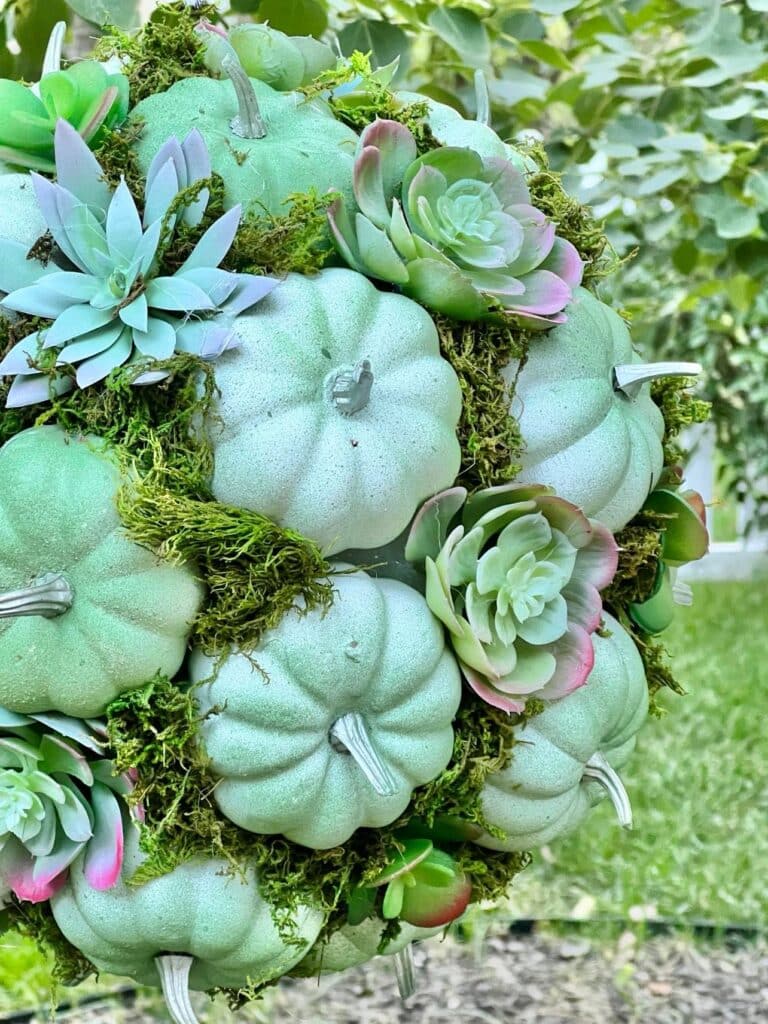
x: 515, y: 574
x: 462, y: 238
x: 85, y: 95
x: 113, y: 304
x: 59, y: 797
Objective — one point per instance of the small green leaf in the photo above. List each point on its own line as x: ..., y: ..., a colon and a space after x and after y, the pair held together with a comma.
x: 732, y: 111
x: 383, y: 41
x: 546, y: 53
x: 463, y: 31
x: 295, y: 17
x: 125, y: 14
x: 735, y: 220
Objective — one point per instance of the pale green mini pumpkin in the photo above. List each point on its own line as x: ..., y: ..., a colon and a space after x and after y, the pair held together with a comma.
x: 85, y: 614
x: 584, y: 436
x: 337, y: 415
x: 566, y: 758
x: 332, y: 721
x: 20, y: 217
x: 356, y: 944
x: 201, y: 926
x: 303, y: 146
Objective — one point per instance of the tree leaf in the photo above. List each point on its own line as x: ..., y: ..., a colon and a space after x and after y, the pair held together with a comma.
x: 295, y: 17
x: 546, y: 53
x: 383, y: 41
x: 123, y: 13
x: 463, y: 31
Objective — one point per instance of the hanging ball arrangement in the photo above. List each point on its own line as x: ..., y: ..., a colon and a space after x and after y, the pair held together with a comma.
x: 338, y: 514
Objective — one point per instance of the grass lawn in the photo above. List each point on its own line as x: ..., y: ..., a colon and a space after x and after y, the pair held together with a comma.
x: 699, y: 788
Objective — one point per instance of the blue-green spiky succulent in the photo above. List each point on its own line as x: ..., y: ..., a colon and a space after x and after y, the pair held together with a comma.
x: 116, y: 306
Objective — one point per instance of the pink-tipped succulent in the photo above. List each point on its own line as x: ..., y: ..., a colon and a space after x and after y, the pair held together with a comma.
x: 59, y: 798
x: 424, y: 887
x: 515, y: 574
x: 685, y: 539
x: 454, y: 231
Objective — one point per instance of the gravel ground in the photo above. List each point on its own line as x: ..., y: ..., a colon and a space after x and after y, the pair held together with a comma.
x: 526, y: 980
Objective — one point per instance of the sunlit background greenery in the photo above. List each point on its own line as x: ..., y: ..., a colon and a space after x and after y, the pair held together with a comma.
x: 656, y: 111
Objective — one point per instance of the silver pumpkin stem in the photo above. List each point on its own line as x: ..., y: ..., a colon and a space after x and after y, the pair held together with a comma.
x: 52, y: 58
x: 249, y: 124
x: 482, y: 98
x: 598, y: 768
x: 174, y: 980
x: 682, y: 594
x: 49, y: 596
x: 630, y: 377
x: 405, y: 971
x: 351, y: 389
x: 349, y: 735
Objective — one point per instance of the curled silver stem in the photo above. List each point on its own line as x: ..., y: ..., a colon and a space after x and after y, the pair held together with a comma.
x: 249, y: 124
x: 351, y: 389
x: 598, y: 768
x: 482, y: 98
x: 174, y: 980
x: 49, y: 596
x: 405, y: 971
x: 630, y: 377
x: 349, y: 735
x: 52, y: 58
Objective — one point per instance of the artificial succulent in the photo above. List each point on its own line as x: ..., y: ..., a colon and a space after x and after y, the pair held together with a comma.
x: 86, y: 95
x: 58, y: 797
x: 462, y: 238
x: 117, y: 305
x: 515, y: 574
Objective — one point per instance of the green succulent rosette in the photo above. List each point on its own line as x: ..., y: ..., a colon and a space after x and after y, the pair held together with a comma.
x: 515, y: 574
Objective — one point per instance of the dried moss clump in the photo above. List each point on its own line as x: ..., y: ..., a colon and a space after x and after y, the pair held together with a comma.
x: 680, y: 409
x: 639, y: 555
x: 166, y: 50
x: 489, y: 435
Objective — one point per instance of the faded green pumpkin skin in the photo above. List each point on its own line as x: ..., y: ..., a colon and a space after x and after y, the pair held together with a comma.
x: 20, y: 217
x: 543, y: 795
x: 593, y: 445
x: 201, y: 909
x: 131, y: 612
x: 353, y: 945
x: 283, y: 448
x: 305, y: 148
x: 379, y: 652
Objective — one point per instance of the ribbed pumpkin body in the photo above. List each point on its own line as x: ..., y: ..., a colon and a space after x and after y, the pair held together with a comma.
x: 130, y: 613
x: 201, y: 909
x: 378, y: 653
x: 543, y: 793
x: 596, y: 447
x: 284, y: 446
x: 353, y: 945
x: 305, y: 147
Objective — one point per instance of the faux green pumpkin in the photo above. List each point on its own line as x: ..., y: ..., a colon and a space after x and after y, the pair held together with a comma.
x: 332, y: 721
x: 201, y: 926
x: 566, y: 758
x: 85, y: 614
x: 591, y: 429
x: 337, y: 415
x: 265, y: 144
x: 20, y: 217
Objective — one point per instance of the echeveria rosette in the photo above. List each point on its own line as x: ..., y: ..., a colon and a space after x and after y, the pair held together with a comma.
x: 515, y: 574
x: 58, y: 798
x: 85, y: 95
x: 464, y: 238
x: 116, y: 306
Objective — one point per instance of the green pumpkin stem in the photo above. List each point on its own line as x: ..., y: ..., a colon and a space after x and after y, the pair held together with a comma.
x: 598, y: 768
x: 49, y: 596
x: 482, y: 98
x: 174, y: 980
x: 52, y: 59
x: 404, y: 971
x: 630, y: 377
x: 351, y: 389
x: 249, y: 124
x: 349, y: 736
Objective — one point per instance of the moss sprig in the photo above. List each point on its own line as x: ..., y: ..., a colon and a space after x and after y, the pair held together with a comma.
x: 681, y: 409
x: 164, y: 51
x: 491, y: 443
x: 35, y: 921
